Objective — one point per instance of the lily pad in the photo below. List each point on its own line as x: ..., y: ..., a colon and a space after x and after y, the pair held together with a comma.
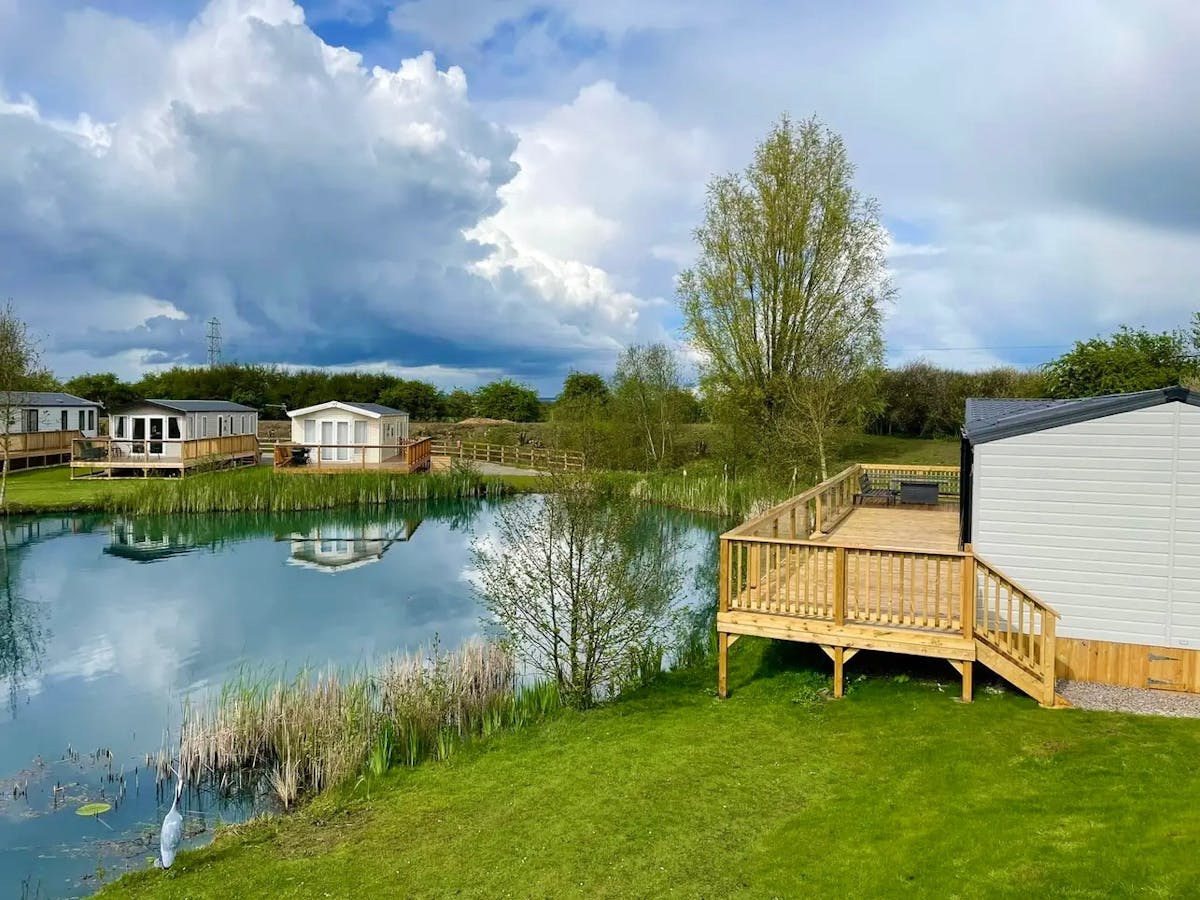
x: 93, y: 809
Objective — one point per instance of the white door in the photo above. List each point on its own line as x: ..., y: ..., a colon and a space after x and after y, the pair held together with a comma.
x: 326, y: 439
x: 343, y: 438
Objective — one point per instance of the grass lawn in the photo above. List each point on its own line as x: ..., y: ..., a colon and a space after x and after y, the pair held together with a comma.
x: 50, y: 490
x: 902, y: 451
x: 897, y: 789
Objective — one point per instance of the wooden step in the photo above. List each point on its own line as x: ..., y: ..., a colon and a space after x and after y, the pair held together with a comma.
x: 1013, y: 673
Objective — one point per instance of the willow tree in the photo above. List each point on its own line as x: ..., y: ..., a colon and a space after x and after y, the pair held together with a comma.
x: 784, y: 303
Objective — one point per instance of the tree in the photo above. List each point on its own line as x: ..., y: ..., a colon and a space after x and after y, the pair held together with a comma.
x: 577, y: 585
x: 789, y: 285
x: 422, y: 401
x: 20, y: 371
x: 584, y: 386
x: 460, y: 404
x: 1128, y: 360
x: 646, y: 397
x: 505, y: 399
x: 103, y: 387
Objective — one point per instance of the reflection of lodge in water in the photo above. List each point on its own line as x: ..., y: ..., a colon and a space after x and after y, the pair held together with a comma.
x: 339, y: 547
x: 147, y: 541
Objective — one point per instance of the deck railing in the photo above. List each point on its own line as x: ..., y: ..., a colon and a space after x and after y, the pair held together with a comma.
x: 511, y: 455
x: 856, y: 585
x: 412, y: 454
x: 1016, y: 624
x: 104, y: 451
x: 36, y: 443
x: 887, y: 477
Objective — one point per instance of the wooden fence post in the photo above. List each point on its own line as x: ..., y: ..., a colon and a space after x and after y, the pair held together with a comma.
x: 839, y: 586
x: 968, y: 595
x: 724, y: 576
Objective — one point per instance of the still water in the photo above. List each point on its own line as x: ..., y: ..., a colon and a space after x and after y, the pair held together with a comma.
x: 107, y: 624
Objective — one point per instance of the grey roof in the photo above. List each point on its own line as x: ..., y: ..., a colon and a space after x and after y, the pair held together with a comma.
x: 993, y: 420
x: 191, y: 406
x: 50, y: 398
x: 377, y: 408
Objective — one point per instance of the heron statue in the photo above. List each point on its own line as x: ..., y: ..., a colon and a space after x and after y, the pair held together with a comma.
x: 171, y: 835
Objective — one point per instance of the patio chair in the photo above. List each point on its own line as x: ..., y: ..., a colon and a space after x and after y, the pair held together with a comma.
x: 866, y: 492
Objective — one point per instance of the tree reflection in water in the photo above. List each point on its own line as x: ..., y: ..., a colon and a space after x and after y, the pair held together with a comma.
x: 22, y: 632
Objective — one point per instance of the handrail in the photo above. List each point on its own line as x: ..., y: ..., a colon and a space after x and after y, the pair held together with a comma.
x: 103, y: 450
x: 824, y: 505
x: 416, y: 453
x: 508, y: 454
x: 56, y: 440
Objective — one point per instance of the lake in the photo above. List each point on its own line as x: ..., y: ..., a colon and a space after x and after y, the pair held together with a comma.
x: 108, y: 623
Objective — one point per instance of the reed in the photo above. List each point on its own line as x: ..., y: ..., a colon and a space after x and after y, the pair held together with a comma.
x: 261, y: 490
x: 297, y: 737
x: 722, y: 495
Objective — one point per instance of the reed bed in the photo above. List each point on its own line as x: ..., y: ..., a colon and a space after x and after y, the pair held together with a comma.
x: 734, y: 498
x: 261, y: 490
x: 298, y: 737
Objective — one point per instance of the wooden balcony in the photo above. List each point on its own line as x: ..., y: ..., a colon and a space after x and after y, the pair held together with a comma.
x: 37, y: 449
x: 826, y: 568
x: 338, y: 459
x: 115, y: 457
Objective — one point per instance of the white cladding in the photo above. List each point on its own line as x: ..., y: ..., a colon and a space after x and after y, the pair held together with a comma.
x: 1101, y: 519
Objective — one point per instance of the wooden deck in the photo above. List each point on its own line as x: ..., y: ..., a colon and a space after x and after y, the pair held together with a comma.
x: 823, y: 569
x: 318, y: 459
x: 110, y: 457
x: 38, y: 449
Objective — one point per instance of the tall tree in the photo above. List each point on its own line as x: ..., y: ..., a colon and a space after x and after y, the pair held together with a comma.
x: 789, y: 284
x: 20, y: 371
x: 646, y: 397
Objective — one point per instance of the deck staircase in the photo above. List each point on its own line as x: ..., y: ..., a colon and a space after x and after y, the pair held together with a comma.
x: 790, y: 574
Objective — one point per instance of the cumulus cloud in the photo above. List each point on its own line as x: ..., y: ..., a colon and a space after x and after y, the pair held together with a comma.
x: 321, y: 209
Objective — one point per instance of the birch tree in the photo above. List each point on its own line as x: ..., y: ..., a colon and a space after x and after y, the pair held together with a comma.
x: 20, y: 367
x: 646, y: 391
x: 576, y: 589
x: 785, y: 300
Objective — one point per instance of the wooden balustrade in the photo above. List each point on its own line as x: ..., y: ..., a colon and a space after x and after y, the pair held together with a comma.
x: 403, y: 455
x: 816, y: 511
x: 31, y: 443
x: 417, y: 454
x: 165, y: 451
x: 510, y: 455
x: 901, y: 587
x: 886, y: 477
x: 1014, y: 623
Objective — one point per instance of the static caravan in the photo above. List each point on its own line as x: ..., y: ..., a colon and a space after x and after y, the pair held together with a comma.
x: 1094, y: 505
x: 172, y: 436
x: 42, y: 425
x: 359, y: 434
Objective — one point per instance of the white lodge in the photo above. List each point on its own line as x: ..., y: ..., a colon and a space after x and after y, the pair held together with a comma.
x: 159, y: 428
x: 39, y: 411
x: 340, y: 432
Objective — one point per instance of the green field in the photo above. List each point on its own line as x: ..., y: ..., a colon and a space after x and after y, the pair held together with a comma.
x: 896, y: 790
x: 51, y: 490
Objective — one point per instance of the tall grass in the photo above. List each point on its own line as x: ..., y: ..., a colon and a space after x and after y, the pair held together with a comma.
x: 301, y: 736
x: 733, y: 498
x: 262, y: 490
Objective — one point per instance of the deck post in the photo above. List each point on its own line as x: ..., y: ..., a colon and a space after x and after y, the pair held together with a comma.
x: 723, y: 577
x: 839, y: 664
x: 839, y: 589
x: 967, y: 681
x: 818, y: 533
x: 968, y: 594
x: 722, y: 664
x: 1049, y: 659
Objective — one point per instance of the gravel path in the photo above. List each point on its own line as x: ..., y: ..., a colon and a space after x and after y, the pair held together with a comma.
x: 1144, y: 701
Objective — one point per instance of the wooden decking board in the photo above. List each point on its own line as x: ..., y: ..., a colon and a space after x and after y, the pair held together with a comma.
x: 900, y: 528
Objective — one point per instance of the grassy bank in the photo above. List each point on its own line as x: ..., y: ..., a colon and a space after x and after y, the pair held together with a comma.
x: 896, y: 790
x: 244, y: 490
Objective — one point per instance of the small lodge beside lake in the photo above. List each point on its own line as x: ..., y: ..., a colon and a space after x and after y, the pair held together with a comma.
x: 170, y: 437
x: 339, y: 436
x: 1065, y: 546
x: 42, y: 426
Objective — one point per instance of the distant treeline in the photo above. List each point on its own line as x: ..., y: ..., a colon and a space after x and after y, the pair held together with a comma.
x: 272, y: 390
x: 647, y: 393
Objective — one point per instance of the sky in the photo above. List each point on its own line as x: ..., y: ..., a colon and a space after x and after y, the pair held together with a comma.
x: 460, y: 191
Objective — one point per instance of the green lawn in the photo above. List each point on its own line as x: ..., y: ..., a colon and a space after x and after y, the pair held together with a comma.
x: 897, y: 789
x: 900, y: 451
x: 50, y: 490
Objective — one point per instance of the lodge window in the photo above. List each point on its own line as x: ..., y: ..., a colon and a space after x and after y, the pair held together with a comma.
x: 91, y: 420
x: 64, y: 421
x: 82, y: 420
x: 120, y: 431
x: 204, y: 426
x: 173, y: 428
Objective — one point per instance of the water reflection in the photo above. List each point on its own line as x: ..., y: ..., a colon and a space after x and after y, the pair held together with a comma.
x: 108, y: 623
x: 340, y: 547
